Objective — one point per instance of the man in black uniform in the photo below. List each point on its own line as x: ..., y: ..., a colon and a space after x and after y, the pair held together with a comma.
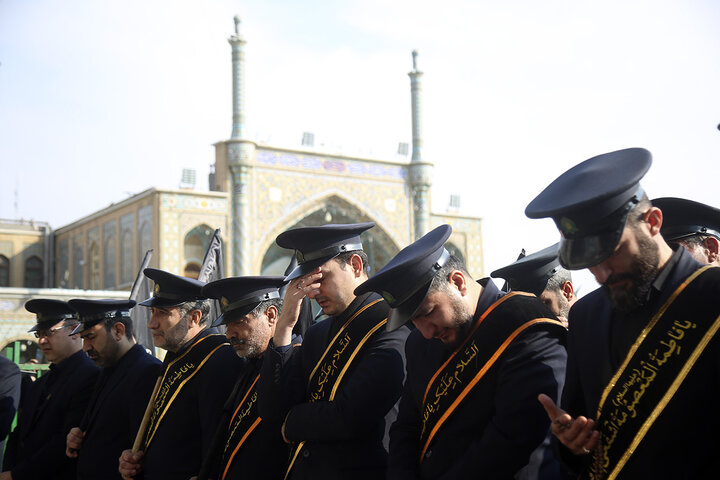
x: 541, y: 273
x: 121, y: 393
x: 248, y: 446
x: 693, y: 225
x: 475, y: 365
x: 643, y: 361
x: 10, y: 379
x: 55, y: 403
x: 194, y: 384
x: 333, y: 393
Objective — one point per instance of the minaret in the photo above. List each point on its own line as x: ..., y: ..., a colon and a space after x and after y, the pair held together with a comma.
x: 240, y: 156
x: 420, y: 172
x: 238, y: 72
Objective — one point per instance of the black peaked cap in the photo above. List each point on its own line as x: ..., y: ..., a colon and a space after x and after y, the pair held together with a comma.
x: 49, y: 312
x: 684, y: 218
x: 404, y: 282
x: 532, y: 272
x: 172, y: 290
x: 92, y: 312
x: 240, y: 295
x: 590, y: 203
x: 316, y: 245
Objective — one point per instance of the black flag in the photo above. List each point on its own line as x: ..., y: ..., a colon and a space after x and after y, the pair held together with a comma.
x: 141, y: 315
x: 211, y: 270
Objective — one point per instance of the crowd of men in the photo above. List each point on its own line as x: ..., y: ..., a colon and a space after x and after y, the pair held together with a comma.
x: 419, y: 371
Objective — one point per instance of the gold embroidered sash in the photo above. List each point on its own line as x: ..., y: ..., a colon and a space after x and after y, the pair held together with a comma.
x: 244, y: 420
x: 653, y: 370
x: 464, y: 370
x: 176, y: 376
x: 329, y: 372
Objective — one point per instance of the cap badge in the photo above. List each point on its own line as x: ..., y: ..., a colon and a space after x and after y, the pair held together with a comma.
x: 224, y: 302
x: 388, y: 297
x: 157, y: 288
x: 567, y: 226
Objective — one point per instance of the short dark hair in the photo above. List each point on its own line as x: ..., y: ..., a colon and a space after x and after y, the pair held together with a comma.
x: 344, y: 258
x: 263, y: 306
x: 202, y: 305
x: 637, y: 212
x: 125, y: 320
x: 440, y: 280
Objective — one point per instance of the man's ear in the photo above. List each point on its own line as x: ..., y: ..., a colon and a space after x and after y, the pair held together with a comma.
x: 712, y: 247
x: 654, y: 217
x: 356, y: 264
x: 457, y: 278
x: 568, y: 291
x: 118, y: 330
x: 195, y: 317
x: 272, y: 315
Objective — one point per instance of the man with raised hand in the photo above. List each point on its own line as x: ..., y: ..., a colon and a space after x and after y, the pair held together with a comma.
x: 333, y: 393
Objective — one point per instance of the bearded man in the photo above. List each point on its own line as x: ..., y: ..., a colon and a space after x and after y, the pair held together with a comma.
x: 476, y: 362
x: 643, y: 368
x: 247, y: 445
x: 197, y: 377
x: 120, y: 395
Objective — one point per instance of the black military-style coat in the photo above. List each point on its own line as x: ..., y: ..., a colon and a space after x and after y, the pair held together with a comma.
x: 496, y: 428
x: 52, y: 405
x: 344, y: 437
x: 264, y: 455
x: 683, y: 442
x: 184, y: 436
x: 115, y: 412
x: 10, y: 380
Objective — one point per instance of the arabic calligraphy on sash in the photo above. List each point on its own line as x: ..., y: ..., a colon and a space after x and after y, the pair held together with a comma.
x: 245, y: 419
x: 493, y: 332
x: 330, y: 370
x: 176, y: 375
x: 651, y: 373
x: 449, y: 381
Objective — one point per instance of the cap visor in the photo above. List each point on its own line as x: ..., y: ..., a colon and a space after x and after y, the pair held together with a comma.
x: 400, y: 315
x: 584, y: 252
x: 232, y: 315
x: 161, y: 302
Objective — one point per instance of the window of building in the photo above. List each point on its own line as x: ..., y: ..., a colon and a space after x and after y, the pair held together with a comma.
x: 34, y: 272
x: 127, y: 266
x: 4, y: 271
x: 109, y: 262
x: 94, y: 267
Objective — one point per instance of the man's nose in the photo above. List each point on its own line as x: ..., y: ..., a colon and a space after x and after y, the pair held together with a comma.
x: 601, y: 271
x: 426, y: 328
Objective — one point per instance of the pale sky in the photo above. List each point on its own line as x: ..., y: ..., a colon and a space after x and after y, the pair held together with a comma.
x: 99, y: 100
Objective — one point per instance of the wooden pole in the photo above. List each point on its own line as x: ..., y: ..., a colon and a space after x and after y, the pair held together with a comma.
x: 146, y: 417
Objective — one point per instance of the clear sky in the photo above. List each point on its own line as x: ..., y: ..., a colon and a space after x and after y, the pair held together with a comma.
x: 102, y: 99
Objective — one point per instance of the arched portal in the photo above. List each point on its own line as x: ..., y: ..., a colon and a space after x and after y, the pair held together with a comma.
x: 376, y: 242
x: 196, y: 244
